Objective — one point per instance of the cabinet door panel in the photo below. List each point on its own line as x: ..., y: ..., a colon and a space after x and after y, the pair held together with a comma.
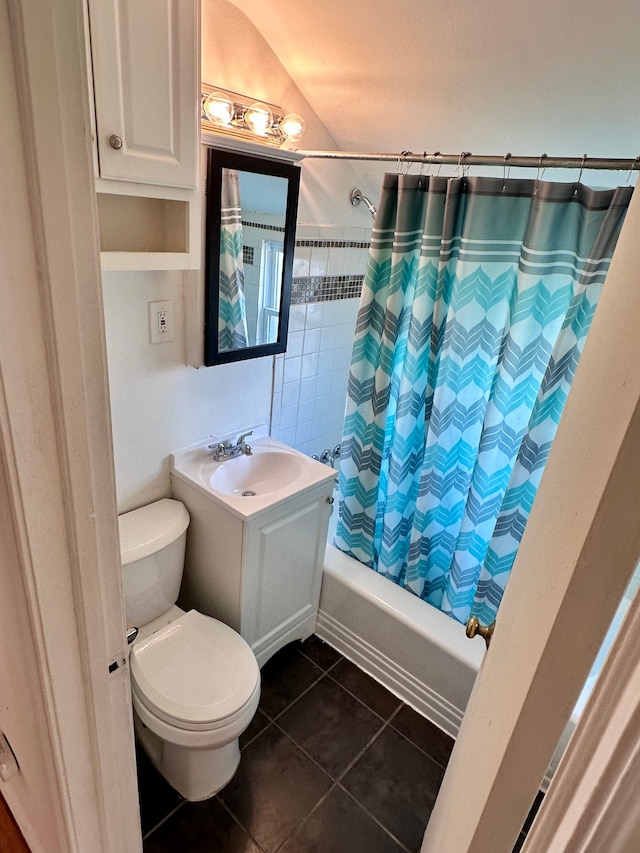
x: 288, y: 568
x: 146, y: 71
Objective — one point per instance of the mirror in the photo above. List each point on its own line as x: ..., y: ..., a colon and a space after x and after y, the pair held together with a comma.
x: 250, y: 238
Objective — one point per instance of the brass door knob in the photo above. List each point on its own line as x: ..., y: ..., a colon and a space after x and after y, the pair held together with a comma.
x: 474, y: 627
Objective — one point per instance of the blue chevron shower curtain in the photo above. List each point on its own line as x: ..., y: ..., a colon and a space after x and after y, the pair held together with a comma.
x: 477, y: 299
x: 232, y: 315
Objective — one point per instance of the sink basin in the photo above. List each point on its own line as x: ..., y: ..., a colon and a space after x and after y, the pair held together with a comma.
x: 250, y: 485
x: 267, y: 470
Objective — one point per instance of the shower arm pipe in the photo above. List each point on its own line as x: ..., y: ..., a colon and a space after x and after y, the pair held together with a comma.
x: 467, y: 159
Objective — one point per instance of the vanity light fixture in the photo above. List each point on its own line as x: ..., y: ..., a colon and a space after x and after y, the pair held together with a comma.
x: 228, y: 112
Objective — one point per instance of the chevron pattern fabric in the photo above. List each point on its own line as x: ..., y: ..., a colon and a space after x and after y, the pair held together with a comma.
x: 232, y: 315
x: 477, y: 300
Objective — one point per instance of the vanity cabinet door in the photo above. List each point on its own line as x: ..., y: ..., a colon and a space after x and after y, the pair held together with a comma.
x: 146, y: 68
x: 284, y: 561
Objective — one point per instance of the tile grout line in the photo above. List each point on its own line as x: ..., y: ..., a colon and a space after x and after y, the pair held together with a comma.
x: 334, y: 780
x: 373, y: 818
x: 354, y: 761
x: 307, y: 816
x: 164, y: 819
x: 337, y: 780
x: 261, y: 849
x: 335, y: 663
x: 362, y: 702
x: 323, y: 672
x: 401, y: 705
x: 417, y: 746
x: 293, y: 701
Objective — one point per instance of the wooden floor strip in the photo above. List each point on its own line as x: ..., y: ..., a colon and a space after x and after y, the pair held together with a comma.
x: 11, y: 840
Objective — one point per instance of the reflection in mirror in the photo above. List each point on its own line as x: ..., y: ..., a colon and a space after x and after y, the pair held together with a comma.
x: 250, y: 242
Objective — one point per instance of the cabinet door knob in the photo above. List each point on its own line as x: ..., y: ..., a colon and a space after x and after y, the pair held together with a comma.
x: 115, y: 141
x: 330, y: 500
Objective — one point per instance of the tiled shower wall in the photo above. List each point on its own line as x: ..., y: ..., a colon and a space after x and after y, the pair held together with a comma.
x: 310, y: 383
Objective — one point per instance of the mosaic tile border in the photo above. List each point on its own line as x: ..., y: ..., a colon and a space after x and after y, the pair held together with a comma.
x: 333, y: 244
x: 314, y: 244
x: 262, y: 226
x: 247, y: 255
x: 325, y: 288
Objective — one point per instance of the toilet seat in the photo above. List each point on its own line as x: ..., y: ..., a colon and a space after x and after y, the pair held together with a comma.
x: 195, y: 674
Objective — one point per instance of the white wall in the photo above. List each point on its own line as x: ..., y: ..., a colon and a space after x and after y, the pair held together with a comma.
x: 158, y: 403
x: 236, y: 57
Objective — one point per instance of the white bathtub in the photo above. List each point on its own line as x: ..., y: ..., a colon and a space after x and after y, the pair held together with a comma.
x: 414, y: 650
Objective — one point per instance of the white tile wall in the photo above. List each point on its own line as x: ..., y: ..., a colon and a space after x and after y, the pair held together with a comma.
x: 311, y: 390
x: 310, y: 379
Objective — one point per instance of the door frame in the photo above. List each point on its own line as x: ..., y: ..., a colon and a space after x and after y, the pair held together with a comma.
x: 58, y: 451
x: 591, y: 803
x: 55, y: 431
x: 579, y: 550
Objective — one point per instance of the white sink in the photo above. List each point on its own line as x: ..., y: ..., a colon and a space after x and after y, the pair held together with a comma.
x: 247, y: 485
x: 267, y: 470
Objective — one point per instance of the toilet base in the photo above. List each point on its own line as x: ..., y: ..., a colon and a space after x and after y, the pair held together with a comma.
x: 196, y: 774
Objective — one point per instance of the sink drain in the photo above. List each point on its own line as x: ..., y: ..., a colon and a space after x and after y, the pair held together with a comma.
x: 248, y: 494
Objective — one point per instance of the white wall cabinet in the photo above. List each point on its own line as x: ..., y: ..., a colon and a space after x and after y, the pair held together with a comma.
x: 146, y: 84
x: 262, y: 575
x: 145, y: 65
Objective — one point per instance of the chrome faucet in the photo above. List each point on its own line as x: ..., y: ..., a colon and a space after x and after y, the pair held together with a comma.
x: 226, y: 450
x: 327, y: 457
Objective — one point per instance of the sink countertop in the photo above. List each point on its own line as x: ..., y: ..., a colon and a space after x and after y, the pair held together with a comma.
x: 272, y: 460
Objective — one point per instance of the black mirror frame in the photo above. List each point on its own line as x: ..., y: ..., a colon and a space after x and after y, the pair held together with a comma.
x: 217, y: 161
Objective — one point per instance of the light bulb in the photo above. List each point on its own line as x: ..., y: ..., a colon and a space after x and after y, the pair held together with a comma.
x: 258, y: 119
x: 292, y: 126
x: 218, y: 108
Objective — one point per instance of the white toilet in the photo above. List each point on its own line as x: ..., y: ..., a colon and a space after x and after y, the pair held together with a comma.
x: 195, y: 681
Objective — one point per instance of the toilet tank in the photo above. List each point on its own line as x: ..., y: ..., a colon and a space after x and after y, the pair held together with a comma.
x: 152, y: 545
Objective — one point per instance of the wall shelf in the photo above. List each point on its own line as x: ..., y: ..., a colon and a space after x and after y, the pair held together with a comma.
x: 150, y: 231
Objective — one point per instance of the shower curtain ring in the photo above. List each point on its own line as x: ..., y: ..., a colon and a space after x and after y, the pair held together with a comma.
x: 539, y: 173
x: 505, y: 172
x: 401, y: 155
x: 435, y: 154
x: 634, y: 166
x: 584, y: 157
x: 462, y: 170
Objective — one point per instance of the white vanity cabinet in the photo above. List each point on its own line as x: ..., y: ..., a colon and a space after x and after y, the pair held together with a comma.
x: 145, y: 70
x: 262, y: 574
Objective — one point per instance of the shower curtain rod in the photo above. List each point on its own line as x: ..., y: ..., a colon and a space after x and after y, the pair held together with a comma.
x: 466, y: 158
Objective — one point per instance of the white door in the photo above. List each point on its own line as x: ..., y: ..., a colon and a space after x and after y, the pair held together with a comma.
x: 579, y: 550
x: 65, y: 680
x: 146, y: 72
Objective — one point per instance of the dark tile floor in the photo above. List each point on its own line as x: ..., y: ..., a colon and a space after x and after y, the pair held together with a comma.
x: 332, y: 762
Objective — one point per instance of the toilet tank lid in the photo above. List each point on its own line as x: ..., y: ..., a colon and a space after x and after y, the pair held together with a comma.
x: 150, y: 528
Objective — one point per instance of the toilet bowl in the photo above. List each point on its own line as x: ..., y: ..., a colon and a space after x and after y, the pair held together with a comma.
x: 195, y: 682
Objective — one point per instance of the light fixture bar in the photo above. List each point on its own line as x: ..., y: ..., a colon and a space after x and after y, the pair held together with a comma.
x: 223, y: 111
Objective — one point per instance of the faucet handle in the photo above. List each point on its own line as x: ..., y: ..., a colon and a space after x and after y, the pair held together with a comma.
x: 243, y: 436
x: 219, y: 451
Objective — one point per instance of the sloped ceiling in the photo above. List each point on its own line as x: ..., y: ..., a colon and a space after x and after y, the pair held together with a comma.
x: 488, y: 76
